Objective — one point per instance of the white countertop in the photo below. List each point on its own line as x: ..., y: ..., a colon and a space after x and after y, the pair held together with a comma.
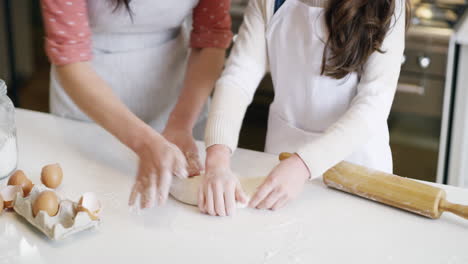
x: 322, y: 226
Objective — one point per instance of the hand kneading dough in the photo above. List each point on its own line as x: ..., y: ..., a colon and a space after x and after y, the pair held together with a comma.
x: 186, y: 190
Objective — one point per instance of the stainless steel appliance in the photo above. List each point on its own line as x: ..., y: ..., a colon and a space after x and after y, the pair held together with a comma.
x: 417, y: 119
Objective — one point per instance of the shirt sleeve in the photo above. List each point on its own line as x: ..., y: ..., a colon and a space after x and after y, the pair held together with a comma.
x: 68, y: 35
x: 244, y: 70
x: 368, y: 110
x: 211, y: 25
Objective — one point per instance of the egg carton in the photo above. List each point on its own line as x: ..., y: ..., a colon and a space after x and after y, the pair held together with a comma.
x: 65, y: 223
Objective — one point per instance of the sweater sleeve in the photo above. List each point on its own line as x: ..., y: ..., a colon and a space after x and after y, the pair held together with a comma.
x: 68, y: 36
x: 244, y: 70
x: 211, y: 25
x: 371, y: 105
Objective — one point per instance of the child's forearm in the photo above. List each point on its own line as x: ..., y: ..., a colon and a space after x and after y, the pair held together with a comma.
x: 218, y: 155
x: 245, y: 68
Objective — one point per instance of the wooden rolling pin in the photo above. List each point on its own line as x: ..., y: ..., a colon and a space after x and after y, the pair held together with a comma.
x: 390, y: 189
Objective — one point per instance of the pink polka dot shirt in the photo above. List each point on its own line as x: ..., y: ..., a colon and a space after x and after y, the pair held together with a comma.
x: 68, y: 35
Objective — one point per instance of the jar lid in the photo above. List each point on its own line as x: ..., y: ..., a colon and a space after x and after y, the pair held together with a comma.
x: 3, y: 87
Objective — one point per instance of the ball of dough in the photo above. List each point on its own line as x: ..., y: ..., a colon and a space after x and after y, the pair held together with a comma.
x: 186, y: 190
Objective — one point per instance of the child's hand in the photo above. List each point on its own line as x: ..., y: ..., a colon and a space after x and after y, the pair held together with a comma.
x: 220, y: 188
x: 284, y: 183
x: 219, y: 191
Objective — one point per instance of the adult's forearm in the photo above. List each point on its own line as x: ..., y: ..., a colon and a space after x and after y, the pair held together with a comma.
x: 95, y: 98
x: 203, y: 70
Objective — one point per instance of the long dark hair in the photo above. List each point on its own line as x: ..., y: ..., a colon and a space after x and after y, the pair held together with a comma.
x: 356, y: 29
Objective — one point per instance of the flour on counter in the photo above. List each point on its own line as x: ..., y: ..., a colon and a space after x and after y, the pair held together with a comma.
x: 8, y: 155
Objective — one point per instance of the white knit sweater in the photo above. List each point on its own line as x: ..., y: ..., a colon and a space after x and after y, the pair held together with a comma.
x: 248, y: 63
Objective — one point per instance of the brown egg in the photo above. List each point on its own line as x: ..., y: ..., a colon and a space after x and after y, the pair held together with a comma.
x: 52, y: 175
x: 1, y: 204
x: 19, y: 179
x: 46, y: 201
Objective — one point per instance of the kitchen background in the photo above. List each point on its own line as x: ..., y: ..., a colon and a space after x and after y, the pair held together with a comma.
x: 424, y: 114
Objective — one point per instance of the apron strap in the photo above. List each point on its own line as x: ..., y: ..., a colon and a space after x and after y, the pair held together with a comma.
x: 312, y: 3
x: 278, y: 4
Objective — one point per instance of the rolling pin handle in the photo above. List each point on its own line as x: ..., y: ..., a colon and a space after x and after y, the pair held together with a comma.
x: 284, y: 155
x: 458, y: 209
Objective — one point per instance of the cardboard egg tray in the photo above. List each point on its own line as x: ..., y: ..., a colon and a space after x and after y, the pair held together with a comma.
x: 66, y: 223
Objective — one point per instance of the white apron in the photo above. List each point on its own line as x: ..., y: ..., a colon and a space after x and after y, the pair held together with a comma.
x: 144, y: 61
x: 307, y: 103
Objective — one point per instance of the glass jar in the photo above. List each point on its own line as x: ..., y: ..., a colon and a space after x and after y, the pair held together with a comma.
x: 8, y: 147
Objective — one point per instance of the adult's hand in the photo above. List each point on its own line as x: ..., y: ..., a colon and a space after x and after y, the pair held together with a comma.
x: 159, y: 161
x: 186, y: 143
